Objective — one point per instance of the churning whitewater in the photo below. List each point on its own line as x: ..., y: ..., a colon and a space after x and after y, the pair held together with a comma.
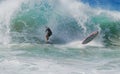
x: 22, y: 37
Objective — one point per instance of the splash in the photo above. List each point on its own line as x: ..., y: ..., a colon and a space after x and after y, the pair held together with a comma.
x: 7, y: 9
x: 70, y: 20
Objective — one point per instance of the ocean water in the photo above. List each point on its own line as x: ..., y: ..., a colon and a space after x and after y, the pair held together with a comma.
x: 22, y: 37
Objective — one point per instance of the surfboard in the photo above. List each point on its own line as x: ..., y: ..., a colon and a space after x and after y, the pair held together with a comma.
x: 90, y: 37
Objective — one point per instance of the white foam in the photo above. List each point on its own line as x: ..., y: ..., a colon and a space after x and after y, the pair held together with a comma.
x: 7, y: 10
x: 82, y: 13
x: 78, y: 44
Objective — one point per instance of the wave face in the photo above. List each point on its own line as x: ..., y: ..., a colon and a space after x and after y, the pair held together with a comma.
x: 69, y: 20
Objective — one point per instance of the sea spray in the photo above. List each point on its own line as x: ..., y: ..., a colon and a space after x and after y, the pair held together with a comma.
x: 7, y: 10
x: 70, y: 20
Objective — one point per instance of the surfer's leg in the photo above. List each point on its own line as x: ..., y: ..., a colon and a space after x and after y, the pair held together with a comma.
x: 47, y: 38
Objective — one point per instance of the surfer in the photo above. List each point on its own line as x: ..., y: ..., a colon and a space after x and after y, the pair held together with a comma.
x: 48, y: 33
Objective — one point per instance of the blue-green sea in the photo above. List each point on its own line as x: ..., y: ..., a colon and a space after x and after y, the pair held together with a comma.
x: 22, y: 37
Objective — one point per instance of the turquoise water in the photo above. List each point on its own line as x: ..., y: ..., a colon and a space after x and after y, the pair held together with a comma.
x: 22, y: 32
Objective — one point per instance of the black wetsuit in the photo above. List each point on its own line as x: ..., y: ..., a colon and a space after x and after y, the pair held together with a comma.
x: 49, y: 32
